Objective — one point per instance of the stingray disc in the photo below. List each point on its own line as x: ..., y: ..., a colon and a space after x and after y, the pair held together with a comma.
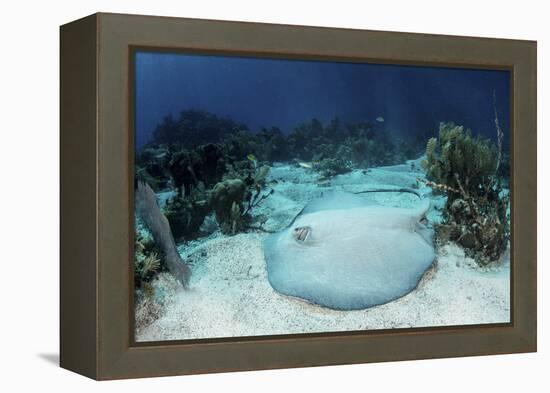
x: 344, y: 253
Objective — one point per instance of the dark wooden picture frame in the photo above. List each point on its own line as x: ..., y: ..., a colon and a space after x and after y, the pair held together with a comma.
x: 97, y: 197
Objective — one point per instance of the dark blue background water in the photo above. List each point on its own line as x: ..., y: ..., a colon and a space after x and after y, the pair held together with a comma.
x: 283, y: 93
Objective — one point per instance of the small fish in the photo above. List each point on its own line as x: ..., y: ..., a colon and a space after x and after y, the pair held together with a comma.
x: 380, y: 119
x: 251, y: 157
x: 305, y: 165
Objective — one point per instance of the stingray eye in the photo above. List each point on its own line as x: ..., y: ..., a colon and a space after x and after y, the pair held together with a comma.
x: 301, y: 233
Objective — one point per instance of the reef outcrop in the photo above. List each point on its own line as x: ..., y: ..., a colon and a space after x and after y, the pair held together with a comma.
x: 466, y: 169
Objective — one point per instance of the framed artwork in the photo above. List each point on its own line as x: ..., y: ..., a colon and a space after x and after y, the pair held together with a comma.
x: 239, y: 196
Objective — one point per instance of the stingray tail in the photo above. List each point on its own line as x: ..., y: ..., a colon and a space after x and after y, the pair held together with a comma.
x: 422, y: 210
x: 404, y: 189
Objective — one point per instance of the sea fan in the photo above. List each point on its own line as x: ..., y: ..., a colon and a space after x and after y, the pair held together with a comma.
x: 159, y: 227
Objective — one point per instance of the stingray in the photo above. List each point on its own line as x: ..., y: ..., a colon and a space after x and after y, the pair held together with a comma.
x: 346, y: 253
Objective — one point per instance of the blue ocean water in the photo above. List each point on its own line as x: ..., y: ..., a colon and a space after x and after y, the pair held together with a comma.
x: 263, y: 92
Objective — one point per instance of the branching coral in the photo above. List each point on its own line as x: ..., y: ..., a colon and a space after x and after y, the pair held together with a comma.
x: 144, y: 249
x: 152, y: 166
x: 330, y: 167
x: 234, y: 199
x: 204, y: 164
x: 256, y: 198
x: 226, y: 199
x: 151, y: 265
x: 186, y: 213
x: 458, y: 157
x: 466, y: 169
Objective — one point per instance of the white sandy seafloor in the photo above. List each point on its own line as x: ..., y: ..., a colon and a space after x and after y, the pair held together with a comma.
x: 230, y: 295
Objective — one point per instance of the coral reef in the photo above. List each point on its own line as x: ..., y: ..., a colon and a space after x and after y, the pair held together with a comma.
x: 234, y: 198
x: 187, y: 213
x: 459, y: 158
x: 227, y: 201
x: 204, y: 178
x: 330, y: 167
x: 218, y: 167
x: 476, y: 212
x: 193, y: 128
x: 146, y: 261
x: 151, y: 265
x: 218, y: 170
x: 204, y: 163
x: 152, y: 166
x: 201, y: 147
x: 267, y: 145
